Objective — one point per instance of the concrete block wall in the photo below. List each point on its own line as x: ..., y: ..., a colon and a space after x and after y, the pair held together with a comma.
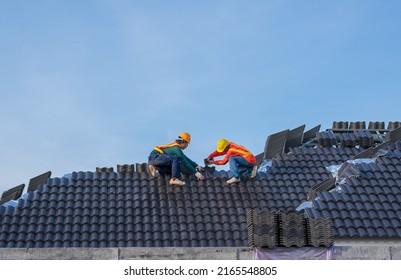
x: 207, y: 253
x: 59, y: 254
x: 367, y: 253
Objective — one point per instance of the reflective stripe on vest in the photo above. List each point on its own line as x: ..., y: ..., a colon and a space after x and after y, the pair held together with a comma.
x: 242, y: 151
x: 162, y: 147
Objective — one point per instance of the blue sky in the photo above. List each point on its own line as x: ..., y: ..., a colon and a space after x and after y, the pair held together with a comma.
x: 88, y: 84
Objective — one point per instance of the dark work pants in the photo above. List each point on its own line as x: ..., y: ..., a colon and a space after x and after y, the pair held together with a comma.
x: 164, y: 161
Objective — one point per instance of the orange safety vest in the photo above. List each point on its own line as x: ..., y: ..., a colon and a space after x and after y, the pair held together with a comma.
x: 162, y: 147
x: 234, y: 150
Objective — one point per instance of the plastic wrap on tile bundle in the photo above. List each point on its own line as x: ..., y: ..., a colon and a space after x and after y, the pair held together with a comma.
x: 304, y: 205
x: 362, y: 160
x: 265, y: 165
x: 347, y: 168
x: 12, y: 203
x: 333, y: 169
x: 304, y: 253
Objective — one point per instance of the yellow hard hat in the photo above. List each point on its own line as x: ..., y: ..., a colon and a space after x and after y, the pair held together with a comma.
x: 222, y: 144
x: 185, y: 136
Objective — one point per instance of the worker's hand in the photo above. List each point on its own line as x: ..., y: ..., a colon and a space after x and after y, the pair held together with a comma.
x: 208, y: 161
x: 199, y: 168
x: 199, y: 176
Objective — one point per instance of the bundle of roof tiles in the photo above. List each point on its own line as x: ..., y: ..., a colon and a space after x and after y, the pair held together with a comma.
x: 287, y: 229
x: 347, y: 140
x: 291, y: 229
x: 364, y: 138
x: 12, y: 194
x: 326, y: 139
x: 262, y: 229
x: 319, y: 232
x: 125, y: 168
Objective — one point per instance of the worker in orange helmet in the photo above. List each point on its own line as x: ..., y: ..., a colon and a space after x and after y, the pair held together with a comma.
x: 167, y: 160
x: 241, y: 160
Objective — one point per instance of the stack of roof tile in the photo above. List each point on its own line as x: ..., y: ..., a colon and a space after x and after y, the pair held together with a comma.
x: 376, y: 125
x: 364, y: 138
x: 310, y: 134
x: 104, y: 169
x: 394, y: 135
x: 393, y: 125
x: 262, y: 229
x: 372, y: 151
x: 125, y: 168
x: 357, y: 125
x: 348, y: 170
x: 324, y: 185
x: 287, y: 229
x: 326, y: 139
x: 41, y: 179
x: 292, y: 229
x: 275, y: 144
x: 319, y: 232
x: 347, y: 140
x: 340, y: 125
x: 12, y: 194
x: 141, y: 167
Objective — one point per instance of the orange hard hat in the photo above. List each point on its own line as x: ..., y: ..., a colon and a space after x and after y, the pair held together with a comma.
x: 185, y: 136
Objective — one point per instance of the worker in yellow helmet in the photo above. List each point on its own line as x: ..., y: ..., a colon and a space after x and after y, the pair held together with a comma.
x: 241, y: 160
x: 167, y: 160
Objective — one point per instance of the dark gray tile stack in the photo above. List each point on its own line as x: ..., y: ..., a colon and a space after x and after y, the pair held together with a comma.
x: 125, y: 168
x: 292, y: 229
x: 104, y: 169
x: 340, y: 125
x: 319, y: 232
x: 142, y: 167
x: 310, y: 134
x: 324, y: 185
x: 346, y: 170
x: 12, y: 194
x: 346, y: 140
x: 393, y: 125
x: 259, y: 158
x: 376, y: 125
x: 357, y: 125
x: 275, y: 144
x: 287, y: 229
x: 294, y: 138
x: 365, y: 138
x: 41, y: 179
x: 326, y: 139
x: 394, y: 135
x: 372, y: 151
x: 262, y: 229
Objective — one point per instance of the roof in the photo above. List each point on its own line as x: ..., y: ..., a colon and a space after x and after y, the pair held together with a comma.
x: 129, y: 208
